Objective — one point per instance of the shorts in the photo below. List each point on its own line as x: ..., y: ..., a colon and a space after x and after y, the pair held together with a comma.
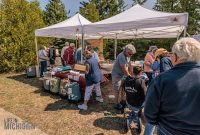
x: 116, y: 82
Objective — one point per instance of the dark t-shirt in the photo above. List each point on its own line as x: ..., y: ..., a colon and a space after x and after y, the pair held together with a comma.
x: 135, y: 91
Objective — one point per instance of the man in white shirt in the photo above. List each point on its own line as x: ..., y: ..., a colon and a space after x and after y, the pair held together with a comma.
x: 42, y: 56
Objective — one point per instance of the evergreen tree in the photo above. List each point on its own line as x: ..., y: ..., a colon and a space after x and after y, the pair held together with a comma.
x: 105, y: 8
x: 90, y: 11
x: 190, y: 6
x: 54, y: 12
x: 19, y: 21
x: 141, y: 2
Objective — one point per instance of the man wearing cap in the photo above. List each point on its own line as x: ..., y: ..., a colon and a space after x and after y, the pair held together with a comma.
x: 120, y: 70
x: 63, y: 51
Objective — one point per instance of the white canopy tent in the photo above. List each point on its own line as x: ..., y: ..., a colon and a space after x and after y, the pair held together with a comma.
x: 69, y: 29
x: 139, y: 22
x: 136, y: 22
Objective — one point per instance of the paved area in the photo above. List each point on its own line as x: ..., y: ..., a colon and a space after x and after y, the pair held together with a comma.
x: 13, y: 125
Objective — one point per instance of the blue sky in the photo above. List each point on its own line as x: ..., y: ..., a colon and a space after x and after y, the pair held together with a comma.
x: 73, y: 5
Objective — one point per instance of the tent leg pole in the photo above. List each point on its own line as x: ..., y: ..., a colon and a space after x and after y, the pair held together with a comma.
x: 115, y: 51
x: 37, y: 60
x: 82, y: 45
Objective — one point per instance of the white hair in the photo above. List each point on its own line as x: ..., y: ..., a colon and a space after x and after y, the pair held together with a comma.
x: 72, y: 44
x: 130, y: 47
x: 187, y: 49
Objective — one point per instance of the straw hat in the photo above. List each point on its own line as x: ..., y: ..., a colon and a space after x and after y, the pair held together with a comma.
x: 160, y: 51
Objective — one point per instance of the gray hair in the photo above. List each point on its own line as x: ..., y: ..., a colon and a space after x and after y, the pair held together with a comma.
x: 187, y: 49
x: 66, y: 43
x: 130, y: 47
x: 72, y: 44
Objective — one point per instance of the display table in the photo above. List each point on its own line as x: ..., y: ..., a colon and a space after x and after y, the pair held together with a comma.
x: 106, y: 68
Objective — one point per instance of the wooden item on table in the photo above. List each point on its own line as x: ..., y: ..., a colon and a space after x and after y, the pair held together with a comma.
x: 79, y: 67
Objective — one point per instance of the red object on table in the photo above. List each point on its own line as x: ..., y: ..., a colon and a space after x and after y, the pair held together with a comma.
x: 81, y: 81
x: 62, y: 75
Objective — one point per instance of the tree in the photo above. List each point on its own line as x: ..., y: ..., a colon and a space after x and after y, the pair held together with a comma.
x: 141, y: 2
x: 192, y: 7
x: 54, y: 12
x: 19, y: 21
x: 104, y: 8
x: 90, y: 11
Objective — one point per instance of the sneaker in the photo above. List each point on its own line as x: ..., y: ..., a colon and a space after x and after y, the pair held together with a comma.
x: 99, y: 99
x: 118, y: 106
x: 82, y: 107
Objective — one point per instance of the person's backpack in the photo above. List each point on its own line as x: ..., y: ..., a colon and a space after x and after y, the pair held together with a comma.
x: 134, y: 89
x: 52, y: 53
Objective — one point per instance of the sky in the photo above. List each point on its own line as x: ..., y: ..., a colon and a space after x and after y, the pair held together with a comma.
x: 73, y: 5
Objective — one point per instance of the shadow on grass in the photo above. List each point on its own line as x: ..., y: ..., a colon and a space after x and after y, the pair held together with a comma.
x: 111, y: 123
x: 46, y: 93
x: 62, y: 104
x: 35, y: 82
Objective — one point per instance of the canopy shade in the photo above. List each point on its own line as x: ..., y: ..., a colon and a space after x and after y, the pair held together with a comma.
x: 139, y: 22
x: 69, y: 29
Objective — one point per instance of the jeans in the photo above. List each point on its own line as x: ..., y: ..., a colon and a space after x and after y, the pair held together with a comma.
x: 133, y: 117
x: 149, y: 129
x: 162, y: 131
x: 43, y: 67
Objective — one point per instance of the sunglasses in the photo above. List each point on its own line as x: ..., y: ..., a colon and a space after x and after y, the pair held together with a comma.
x: 130, y: 53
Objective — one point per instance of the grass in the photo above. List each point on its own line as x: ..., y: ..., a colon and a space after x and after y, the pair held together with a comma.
x: 24, y: 97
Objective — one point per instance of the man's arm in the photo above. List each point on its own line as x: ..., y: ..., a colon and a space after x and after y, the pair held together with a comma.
x: 125, y: 70
x: 87, y: 68
x: 124, y: 66
x: 148, y: 60
x: 152, y: 103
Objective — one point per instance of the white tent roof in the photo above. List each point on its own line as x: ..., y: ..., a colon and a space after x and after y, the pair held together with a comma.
x: 139, y: 22
x: 70, y: 29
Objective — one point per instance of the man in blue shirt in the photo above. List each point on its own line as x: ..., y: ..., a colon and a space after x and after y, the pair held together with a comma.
x: 120, y: 70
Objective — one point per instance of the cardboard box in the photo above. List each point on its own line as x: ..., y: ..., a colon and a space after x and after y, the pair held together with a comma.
x: 79, y: 67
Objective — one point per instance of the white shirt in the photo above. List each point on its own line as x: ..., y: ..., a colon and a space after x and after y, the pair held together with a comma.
x: 42, y: 55
x: 95, y: 55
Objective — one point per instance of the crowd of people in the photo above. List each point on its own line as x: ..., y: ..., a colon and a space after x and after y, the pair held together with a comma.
x: 48, y: 56
x: 171, y: 95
